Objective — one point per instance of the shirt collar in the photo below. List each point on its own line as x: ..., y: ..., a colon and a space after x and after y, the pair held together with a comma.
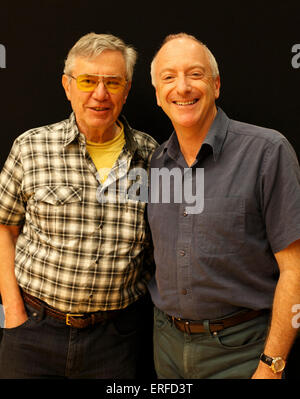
x: 72, y: 133
x: 131, y: 143
x: 217, y: 133
x: 71, y: 130
x: 215, y: 137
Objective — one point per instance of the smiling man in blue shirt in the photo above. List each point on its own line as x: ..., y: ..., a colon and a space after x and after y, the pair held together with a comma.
x: 226, y: 277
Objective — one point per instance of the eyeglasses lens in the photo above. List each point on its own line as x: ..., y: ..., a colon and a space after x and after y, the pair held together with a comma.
x: 89, y: 83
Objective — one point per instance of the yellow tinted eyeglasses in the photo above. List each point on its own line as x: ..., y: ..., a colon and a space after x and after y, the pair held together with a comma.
x: 89, y: 82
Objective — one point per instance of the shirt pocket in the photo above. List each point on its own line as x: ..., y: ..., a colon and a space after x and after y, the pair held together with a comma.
x: 56, y: 211
x: 220, y: 228
x: 58, y: 195
x: 134, y: 221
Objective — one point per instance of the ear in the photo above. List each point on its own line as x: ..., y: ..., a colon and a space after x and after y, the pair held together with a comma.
x: 217, y: 84
x: 157, y: 98
x: 66, y: 85
x: 127, y: 90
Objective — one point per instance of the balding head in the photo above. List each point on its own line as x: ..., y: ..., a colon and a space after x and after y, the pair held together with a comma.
x: 184, y: 36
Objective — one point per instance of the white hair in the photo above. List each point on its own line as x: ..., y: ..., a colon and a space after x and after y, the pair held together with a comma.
x: 93, y: 44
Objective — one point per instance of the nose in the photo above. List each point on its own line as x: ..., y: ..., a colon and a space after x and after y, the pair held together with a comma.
x: 183, y: 85
x: 100, y: 92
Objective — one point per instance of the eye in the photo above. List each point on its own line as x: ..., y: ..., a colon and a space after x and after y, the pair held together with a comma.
x: 196, y: 75
x: 113, y: 83
x: 168, y: 78
x: 87, y: 80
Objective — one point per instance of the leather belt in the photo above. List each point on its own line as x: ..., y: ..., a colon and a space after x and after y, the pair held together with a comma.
x: 77, y: 320
x: 194, y: 327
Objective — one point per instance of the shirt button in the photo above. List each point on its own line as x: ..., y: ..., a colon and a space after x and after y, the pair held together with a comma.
x: 181, y: 253
x: 183, y: 291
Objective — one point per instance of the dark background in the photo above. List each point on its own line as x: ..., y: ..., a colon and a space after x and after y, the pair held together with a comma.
x: 252, y: 42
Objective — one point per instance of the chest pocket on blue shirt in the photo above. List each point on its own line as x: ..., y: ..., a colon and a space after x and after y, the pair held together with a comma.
x: 220, y: 228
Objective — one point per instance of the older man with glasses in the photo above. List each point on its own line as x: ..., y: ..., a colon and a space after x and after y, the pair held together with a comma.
x: 74, y: 269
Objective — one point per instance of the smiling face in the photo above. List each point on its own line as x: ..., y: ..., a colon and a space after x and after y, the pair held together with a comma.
x: 185, y: 88
x: 97, y: 111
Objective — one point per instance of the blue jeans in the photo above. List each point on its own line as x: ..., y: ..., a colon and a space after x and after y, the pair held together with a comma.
x: 231, y: 353
x: 44, y: 347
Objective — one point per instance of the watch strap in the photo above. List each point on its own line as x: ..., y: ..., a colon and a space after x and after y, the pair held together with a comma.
x: 266, y: 359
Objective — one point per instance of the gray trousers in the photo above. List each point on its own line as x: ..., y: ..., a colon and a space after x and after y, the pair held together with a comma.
x: 231, y: 353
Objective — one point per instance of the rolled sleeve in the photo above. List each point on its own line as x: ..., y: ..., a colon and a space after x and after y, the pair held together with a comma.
x: 12, y: 206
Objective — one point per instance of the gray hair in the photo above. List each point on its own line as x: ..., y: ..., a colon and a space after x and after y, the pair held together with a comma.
x: 211, y: 58
x: 93, y: 44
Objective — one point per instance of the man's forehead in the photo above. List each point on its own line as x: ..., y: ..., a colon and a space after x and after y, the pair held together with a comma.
x: 108, y: 59
x: 181, y: 42
x: 183, y: 50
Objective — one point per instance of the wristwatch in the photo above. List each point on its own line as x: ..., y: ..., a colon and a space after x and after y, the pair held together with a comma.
x: 276, y: 364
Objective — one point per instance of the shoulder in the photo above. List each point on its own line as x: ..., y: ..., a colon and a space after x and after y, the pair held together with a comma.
x: 144, y: 140
x: 44, y: 133
x: 272, y: 145
x: 158, y: 159
x: 145, y: 143
x: 255, y: 132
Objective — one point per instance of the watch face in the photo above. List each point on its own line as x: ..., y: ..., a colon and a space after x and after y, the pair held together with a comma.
x: 278, y: 364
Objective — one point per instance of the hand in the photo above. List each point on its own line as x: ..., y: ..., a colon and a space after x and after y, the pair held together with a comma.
x: 15, y: 319
x: 263, y: 371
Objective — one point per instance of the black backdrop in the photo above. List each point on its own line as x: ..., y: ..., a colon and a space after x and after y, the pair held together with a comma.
x: 252, y: 42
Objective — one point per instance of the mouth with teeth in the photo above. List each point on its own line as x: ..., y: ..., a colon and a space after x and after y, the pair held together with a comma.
x: 185, y: 103
x: 99, y: 108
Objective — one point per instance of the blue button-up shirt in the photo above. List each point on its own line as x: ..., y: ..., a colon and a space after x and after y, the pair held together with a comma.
x: 215, y: 262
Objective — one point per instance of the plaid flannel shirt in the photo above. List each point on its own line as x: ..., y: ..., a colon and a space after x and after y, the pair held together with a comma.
x: 75, y: 253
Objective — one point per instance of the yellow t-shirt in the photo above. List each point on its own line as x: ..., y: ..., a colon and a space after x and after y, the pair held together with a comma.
x: 104, y: 155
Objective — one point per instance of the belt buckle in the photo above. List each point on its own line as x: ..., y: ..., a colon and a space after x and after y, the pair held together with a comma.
x: 68, y: 315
